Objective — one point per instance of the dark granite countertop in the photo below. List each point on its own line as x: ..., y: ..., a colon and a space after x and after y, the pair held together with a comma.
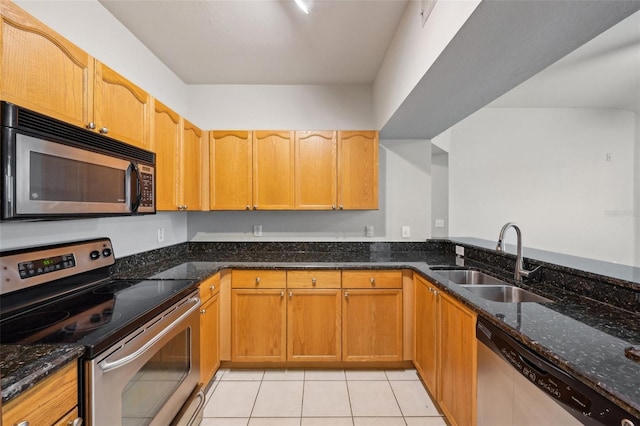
x: 583, y: 337
x: 23, y: 366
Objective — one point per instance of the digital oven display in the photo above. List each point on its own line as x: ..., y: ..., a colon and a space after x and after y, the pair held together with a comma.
x: 44, y: 266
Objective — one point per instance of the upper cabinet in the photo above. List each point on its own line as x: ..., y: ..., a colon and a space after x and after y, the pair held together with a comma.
x: 230, y: 170
x: 167, y: 129
x: 192, y: 168
x: 286, y: 170
x: 358, y: 170
x: 315, y: 170
x: 121, y: 109
x: 43, y: 71
x: 273, y: 157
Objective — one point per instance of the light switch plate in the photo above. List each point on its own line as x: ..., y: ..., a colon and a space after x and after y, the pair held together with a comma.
x: 406, y: 231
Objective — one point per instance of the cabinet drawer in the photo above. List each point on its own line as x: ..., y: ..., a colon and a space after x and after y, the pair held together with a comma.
x: 258, y: 279
x: 313, y: 279
x: 47, y: 401
x: 209, y: 288
x: 372, y: 279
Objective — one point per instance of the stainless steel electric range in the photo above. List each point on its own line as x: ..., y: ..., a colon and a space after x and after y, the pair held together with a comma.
x: 141, y: 336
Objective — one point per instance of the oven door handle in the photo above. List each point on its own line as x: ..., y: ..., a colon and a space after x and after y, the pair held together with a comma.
x: 106, y: 366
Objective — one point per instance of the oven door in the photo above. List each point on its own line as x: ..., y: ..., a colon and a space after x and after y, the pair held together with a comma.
x: 147, y: 377
x: 56, y: 179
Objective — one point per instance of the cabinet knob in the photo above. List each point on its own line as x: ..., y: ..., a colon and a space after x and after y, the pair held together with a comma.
x: 23, y: 423
x: 257, y: 280
x: 76, y: 422
x: 346, y: 294
x: 282, y: 293
x: 186, y: 207
x: 333, y: 207
x: 372, y: 280
x: 203, y: 311
x: 212, y: 287
x: 255, y: 207
x: 341, y: 207
x: 91, y: 125
x: 104, y: 130
x: 248, y: 207
x: 290, y: 294
x: 313, y: 281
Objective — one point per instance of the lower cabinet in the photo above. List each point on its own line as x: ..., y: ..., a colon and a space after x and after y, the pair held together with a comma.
x: 209, y: 328
x: 372, y: 325
x: 445, y: 351
x: 258, y: 325
x: 54, y: 401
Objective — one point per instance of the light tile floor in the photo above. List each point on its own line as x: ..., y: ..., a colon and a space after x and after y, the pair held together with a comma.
x: 319, y: 398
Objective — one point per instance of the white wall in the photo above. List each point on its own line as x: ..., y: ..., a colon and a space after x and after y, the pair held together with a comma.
x: 413, y: 50
x: 636, y: 181
x: 90, y: 26
x: 281, y: 107
x: 129, y: 235
x: 546, y: 169
x: 404, y: 200
x: 439, y: 191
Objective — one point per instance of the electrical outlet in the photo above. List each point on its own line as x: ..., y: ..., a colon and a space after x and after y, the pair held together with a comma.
x: 257, y: 230
x: 460, y: 251
x: 160, y: 235
x: 406, y: 231
x: 439, y: 223
x: 368, y: 231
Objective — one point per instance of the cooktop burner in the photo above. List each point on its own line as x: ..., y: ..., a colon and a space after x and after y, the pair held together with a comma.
x: 96, y: 317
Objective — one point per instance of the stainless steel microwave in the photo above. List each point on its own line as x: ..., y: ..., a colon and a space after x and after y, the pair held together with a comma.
x: 54, y: 170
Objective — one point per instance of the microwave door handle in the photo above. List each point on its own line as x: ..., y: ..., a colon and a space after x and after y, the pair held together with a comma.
x: 135, y: 204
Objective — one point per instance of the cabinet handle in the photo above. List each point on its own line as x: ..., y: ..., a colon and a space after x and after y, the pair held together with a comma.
x: 203, y: 311
x: 372, y: 280
x: 91, y: 125
x: 23, y: 423
x: 313, y: 281
x: 76, y: 422
x: 346, y: 294
x: 290, y: 294
x: 104, y: 130
x: 213, y: 287
x: 282, y: 293
x: 257, y: 280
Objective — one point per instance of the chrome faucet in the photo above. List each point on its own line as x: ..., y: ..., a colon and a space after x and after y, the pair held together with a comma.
x: 520, y: 272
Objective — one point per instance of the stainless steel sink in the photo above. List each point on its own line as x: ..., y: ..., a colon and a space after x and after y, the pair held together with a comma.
x: 465, y: 276
x: 505, y: 293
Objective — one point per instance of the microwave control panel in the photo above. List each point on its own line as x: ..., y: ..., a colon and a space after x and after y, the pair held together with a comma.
x: 146, y: 185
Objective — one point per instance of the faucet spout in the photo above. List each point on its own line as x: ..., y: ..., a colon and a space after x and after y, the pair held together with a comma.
x: 519, y: 272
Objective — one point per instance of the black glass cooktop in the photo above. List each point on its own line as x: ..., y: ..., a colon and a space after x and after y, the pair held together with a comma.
x: 97, y: 317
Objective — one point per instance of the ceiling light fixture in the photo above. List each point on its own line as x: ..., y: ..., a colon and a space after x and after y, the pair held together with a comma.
x: 302, y: 6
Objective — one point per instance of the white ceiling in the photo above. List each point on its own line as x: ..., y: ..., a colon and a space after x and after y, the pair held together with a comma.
x: 265, y: 41
x: 603, y: 73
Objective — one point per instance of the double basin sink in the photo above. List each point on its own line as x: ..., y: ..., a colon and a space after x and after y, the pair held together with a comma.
x: 488, y: 287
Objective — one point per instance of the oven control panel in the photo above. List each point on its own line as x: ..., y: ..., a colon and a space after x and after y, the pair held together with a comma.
x: 46, y: 265
x: 23, y: 268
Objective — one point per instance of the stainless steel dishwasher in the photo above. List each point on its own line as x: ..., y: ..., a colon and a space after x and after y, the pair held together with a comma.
x: 518, y: 387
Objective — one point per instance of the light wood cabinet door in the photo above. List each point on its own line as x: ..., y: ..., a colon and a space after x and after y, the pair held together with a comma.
x: 313, y: 325
x: 46, y: 402
x: 316, y: 178
x: 230, y: 170
x: 121, y: 109
x: 458, y: 362
x: 166, y: 140
x: 258, y: 325
x: 191, y: 154
x: 273, y: 177
x: 43, y: 71
x: 372, y: 325
x: 426, y: 332
x: 358, y: 170
x: 209, y: 338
